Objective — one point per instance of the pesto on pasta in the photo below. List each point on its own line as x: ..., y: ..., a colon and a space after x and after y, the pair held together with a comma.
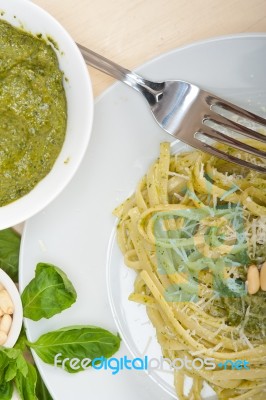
x: 190, y: 231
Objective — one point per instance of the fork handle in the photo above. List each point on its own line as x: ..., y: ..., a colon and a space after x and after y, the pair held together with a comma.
x: 150, y: 90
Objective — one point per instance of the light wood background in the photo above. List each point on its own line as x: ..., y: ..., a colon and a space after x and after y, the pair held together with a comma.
x: 131, y: 32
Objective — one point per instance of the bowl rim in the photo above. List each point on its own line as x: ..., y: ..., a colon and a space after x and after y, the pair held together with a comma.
x: 13, y: 292
x: 41, y: 195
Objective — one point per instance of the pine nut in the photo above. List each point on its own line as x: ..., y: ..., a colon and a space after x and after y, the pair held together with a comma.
x: 1, y: 286
x: 263, y: 277
x: 3, y: 337
x: 5, y: 323
x: 253, y: 279
x: 6, y: 303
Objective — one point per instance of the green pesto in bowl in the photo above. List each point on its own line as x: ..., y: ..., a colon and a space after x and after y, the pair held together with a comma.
x: 33, y: 111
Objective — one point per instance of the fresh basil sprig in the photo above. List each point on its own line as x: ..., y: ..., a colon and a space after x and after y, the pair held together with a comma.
x: 76, y: 342
x: 48, y: 293
x: 16, y: 370
x: 26, y: 384
x: 9, y: 252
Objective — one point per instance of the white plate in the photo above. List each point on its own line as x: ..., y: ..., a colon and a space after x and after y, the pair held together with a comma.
x: 75, y: 231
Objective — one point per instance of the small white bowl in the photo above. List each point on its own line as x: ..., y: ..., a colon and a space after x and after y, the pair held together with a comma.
x: 22, y: 13
x: 17, y: 316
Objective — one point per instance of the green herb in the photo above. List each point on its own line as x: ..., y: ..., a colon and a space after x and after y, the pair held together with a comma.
x: 76, y: 342
x: 12, y: 364
x: 21, y: 343
x: 9, y: 252
x: 18, y: 364
x: 6, y: 390
x: 15, y: 370
x: 11, y: 360
x: 26, y: 384
x: 41, y: 390
x: 48, y: 293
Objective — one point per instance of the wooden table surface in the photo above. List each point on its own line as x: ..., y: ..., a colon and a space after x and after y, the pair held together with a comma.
x: 131, y: 32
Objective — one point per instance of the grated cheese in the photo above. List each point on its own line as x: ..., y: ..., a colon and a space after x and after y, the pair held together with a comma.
x: 172, y: 173
x: 256, y: 235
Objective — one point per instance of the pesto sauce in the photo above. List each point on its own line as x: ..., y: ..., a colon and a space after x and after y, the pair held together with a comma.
x: 33, y: 111
x: 255, y: 325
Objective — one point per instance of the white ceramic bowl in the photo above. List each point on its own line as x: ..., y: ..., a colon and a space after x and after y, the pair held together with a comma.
x: 80, y: 109
x: 15, y: 329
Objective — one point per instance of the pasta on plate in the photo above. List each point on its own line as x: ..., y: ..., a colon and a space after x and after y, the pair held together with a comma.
x: 190, y: 231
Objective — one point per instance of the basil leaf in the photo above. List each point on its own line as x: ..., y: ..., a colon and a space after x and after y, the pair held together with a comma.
x: 48, y: 293
x: 75, y: 342
x: 22, y: 365
x: 11, y: 361
x: 12, y: 365
x: 26, y: 384
x: 7, y: 354
x: 11, y: 371
x: 21, y: 343
x: 41, y: 390
x: 7, y: 358
x: 15, y: 369
x: 9, y: 252
x: 6, y: 390
x: 4, y: 361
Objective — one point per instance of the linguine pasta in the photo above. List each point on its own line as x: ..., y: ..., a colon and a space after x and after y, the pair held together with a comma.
x: 191, y: 229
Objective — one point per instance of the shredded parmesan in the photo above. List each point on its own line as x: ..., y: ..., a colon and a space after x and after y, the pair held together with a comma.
x: 172, y: 173
x: 256, y: 235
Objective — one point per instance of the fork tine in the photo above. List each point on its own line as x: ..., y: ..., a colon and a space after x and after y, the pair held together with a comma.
x: 227, y: 157
x: 217, y: 101
x: 230, y: 141
x: 227, y: 123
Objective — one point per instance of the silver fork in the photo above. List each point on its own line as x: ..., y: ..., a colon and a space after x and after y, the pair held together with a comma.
x: 191, y: 114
